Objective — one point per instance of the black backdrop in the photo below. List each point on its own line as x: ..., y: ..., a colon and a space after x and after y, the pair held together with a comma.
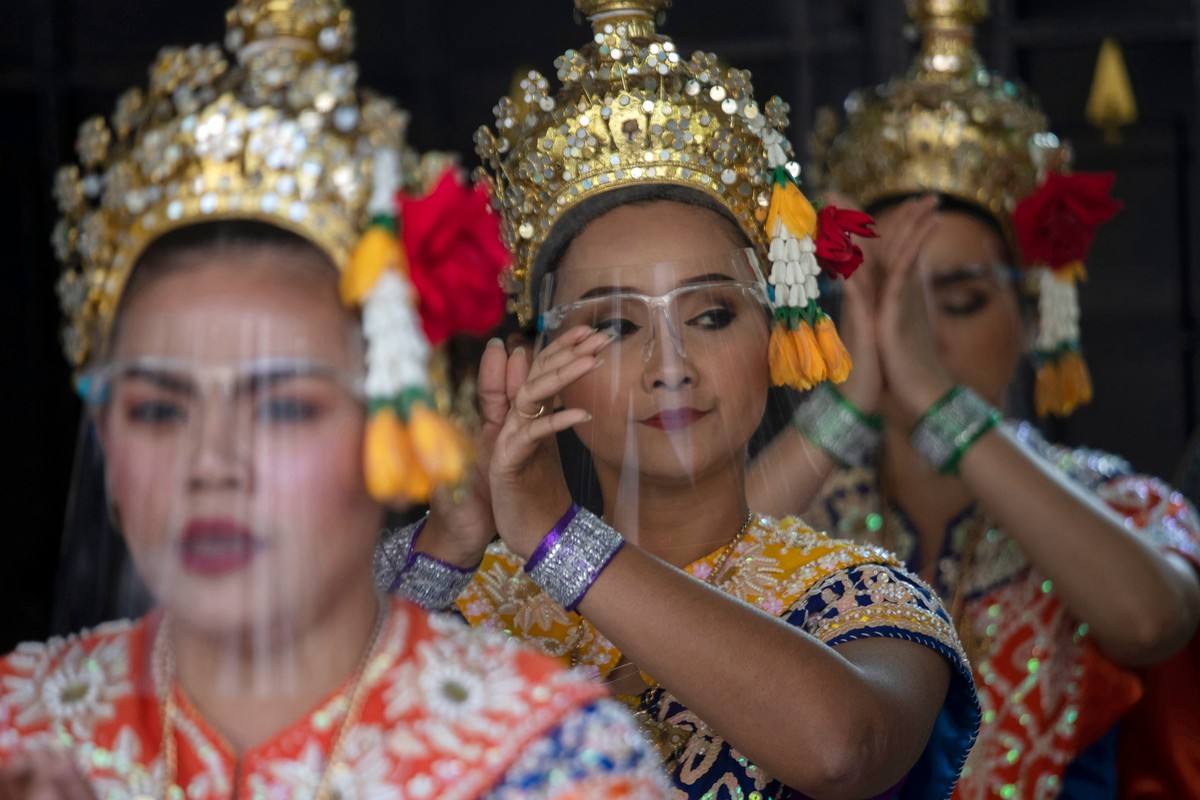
x: 61, y: 60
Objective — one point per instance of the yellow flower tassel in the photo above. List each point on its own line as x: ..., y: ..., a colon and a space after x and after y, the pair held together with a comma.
x: 442, y: 450
x: 393, y: 471
x: 837, y: 359
x: 1063, y: 385
x: 789, y: 205
x: 377, y: 250
x: 795, y: 357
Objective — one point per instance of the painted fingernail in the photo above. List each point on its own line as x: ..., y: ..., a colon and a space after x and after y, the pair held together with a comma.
x: 519, y: 351
x: 496, y: 341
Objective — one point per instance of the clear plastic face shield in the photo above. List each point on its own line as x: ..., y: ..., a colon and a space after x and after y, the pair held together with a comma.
x: 224, y: 445
x: 681, y: 386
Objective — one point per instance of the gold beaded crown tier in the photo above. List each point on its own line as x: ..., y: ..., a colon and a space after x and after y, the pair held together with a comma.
x: 949, y: 126
x: 630, y: 110
x: 274, y: 130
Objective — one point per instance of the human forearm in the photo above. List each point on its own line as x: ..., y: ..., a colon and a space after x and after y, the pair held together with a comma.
x: 1140, y: 604
x: 851, y: 730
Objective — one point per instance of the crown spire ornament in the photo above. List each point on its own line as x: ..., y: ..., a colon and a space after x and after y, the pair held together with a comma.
x: 280, y: 133
x: 947, y: 30
x: 630, y: 111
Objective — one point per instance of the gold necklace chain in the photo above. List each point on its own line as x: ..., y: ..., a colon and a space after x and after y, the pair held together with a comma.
x: 164, y: 667
x: 711, y: 578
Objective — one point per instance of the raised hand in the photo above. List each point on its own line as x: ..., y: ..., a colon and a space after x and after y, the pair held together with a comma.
x: 913, y: 373
x: 529, y: 492
x: 460, y: 524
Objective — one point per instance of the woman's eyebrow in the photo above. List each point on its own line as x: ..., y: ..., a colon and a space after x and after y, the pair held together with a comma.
x: 710, y: 277
x: 961, y: 274
x: 601, y: 291
x: 171, y: 381
x: 265, y: 377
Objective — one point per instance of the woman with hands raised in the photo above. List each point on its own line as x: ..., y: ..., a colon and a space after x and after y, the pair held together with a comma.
x: 763, y: 658
x: 1061, y: 568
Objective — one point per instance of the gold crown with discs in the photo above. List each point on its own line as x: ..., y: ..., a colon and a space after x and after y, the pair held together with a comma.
x: 629, y: 110
x: 948, y: 126
x: 276, y: 130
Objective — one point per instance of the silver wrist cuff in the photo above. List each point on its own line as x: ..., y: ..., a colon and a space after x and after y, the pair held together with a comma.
x: 427, y: 581
x: 576, y: 559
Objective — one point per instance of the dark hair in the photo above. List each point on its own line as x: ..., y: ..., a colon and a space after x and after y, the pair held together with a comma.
x: 214, y: 237
x: 175, y: 249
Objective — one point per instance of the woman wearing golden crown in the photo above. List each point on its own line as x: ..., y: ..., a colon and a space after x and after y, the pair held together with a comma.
x: 1062, y: 569
x: 765, y: 659
x: 257, y: 414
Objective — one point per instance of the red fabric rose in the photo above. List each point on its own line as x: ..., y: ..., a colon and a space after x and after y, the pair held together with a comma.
x: 455, y: 257
x: 837, y: 254
x: 1056, y: 224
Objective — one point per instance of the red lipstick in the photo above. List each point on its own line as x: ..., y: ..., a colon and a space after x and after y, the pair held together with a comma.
x: 674, y: 419
x: 216, y: 546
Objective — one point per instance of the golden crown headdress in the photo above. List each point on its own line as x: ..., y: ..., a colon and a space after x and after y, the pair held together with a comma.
x: 278, y: 133
x: 631, y: 110
x: 949, y: 126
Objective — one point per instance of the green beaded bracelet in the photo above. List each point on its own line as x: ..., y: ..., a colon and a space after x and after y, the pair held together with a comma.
x: 830, y: 421
x: 955, y: 422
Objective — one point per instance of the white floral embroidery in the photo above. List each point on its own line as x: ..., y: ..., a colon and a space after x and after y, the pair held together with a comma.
x: 464, y: 681
x: 67, y: 685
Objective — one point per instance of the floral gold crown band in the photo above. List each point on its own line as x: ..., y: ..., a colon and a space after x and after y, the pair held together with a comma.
x: 280, y: 134
x: 631, y: 110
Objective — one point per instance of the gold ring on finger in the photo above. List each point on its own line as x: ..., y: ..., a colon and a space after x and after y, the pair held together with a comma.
x: 541, y: 412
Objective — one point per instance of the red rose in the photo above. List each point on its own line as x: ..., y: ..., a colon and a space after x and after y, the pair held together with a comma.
x: 837, y: 253
x: 1056, y: 224
x: 455, y: 257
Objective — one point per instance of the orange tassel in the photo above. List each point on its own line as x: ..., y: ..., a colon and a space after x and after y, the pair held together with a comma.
x: 393, y: 472
x: 812, y: 363
x: 440, y: 447
x: 837, y: 359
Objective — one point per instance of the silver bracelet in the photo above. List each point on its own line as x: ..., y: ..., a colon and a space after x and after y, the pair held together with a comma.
x: 831, y: 422
x: 429, y: 582
x: 568, y: 567
x: 951, y: 425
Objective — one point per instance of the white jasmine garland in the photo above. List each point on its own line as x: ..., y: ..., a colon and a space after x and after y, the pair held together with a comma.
x: 397, y: 350
x: 1058, y: 309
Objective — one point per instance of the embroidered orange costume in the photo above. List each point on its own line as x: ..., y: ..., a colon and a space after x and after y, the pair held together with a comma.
x: 447, y: 713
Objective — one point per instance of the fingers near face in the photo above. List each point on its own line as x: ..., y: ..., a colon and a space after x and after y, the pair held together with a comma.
x: 682, y: 385
x: 972, y: 302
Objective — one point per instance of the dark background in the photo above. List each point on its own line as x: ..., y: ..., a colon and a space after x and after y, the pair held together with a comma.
x: 62, y: 60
